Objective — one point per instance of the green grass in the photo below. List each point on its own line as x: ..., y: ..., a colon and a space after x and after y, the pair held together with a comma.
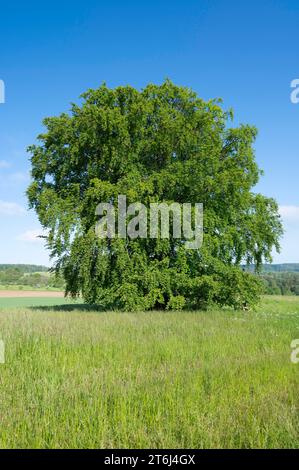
x: 16, y: 302
x: 199, y: 380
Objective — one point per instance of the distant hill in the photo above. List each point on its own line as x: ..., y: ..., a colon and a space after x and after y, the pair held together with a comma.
x: 24, y: 268
x: 267, y: 268
x: 19, y: 276
x: 277, y: 268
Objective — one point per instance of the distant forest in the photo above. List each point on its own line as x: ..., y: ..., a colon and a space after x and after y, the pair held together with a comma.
x: 281, y: 283
x: 24, y: 268
x: 277, y: 268
x: 28, y: 275
x: 279, y: 279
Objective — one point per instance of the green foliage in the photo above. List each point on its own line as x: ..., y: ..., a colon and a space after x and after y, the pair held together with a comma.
x: 281, y: 283
x: 161, y: 144
x: 24, y: 268
x: 269, y: 268
x: 12, y: 275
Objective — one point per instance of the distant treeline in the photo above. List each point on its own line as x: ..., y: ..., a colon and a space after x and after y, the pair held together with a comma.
x: 24, y: 268
x: 29, y: 275
x: 276, y: 268
x: 281, y: 283
x: 279, y: 279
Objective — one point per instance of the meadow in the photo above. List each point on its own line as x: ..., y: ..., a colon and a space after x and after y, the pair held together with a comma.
x: 76, y: 378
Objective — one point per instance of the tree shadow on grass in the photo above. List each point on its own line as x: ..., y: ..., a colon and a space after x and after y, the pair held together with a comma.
x: 69, y: 308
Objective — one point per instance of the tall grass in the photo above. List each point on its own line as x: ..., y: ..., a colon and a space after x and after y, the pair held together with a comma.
x: 199, y: 380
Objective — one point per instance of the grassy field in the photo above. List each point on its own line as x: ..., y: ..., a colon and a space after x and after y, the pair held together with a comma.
x: 203, y: 379
x: 14, y: 302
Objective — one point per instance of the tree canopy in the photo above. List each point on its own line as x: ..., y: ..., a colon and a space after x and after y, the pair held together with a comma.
x: 160, y: 144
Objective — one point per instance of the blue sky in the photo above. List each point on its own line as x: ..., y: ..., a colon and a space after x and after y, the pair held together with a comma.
x: 243, y: 52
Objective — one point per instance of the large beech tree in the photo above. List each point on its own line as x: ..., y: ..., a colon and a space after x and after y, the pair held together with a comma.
x: 161, y: 144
